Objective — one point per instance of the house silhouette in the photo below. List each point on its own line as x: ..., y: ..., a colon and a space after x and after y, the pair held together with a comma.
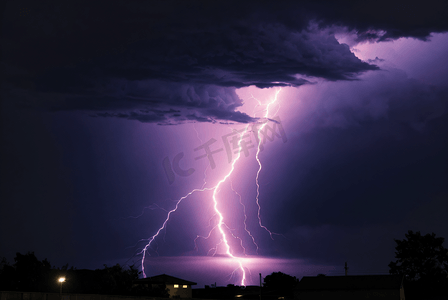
x: 177, y: 288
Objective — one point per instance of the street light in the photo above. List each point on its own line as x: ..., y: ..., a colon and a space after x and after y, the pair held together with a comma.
x: 61, y: 280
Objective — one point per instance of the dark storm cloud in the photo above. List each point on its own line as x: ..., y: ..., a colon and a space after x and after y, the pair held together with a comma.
x: 364, y: 158
x: 382, y: 20
x: 382, y: 134
x: 121, y: 58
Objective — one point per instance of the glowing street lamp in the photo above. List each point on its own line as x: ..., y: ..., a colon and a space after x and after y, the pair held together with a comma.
x: 61, y: 280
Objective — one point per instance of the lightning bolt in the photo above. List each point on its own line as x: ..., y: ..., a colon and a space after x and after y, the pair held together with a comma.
x: 221, y: 226
x: 257, y: 198
x: 245, y: 219
x: 151, y: 239
x: 221, y: 218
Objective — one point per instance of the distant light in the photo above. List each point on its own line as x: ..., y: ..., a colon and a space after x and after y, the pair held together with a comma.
x: 185, y: 286
x: 61, y: 279
x: 176, y: 286
x: 239, y: 296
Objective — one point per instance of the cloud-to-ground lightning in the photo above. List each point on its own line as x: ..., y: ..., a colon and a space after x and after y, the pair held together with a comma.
x: 151, y: 239
x: 220, y: 225
x: 260, y: 166
x: 221, y: 218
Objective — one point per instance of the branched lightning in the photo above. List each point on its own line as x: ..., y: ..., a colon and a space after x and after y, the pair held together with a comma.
x: 245, y: 219
x: 151, y: 239
x: 220, y: 225
x: 260, y: 166
x: 205, y: 237
x: 221, y: 218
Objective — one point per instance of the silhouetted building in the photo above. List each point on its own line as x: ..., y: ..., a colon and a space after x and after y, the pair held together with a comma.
x: 178, y: 288
x: 350, y: 287
x: 228, y: 292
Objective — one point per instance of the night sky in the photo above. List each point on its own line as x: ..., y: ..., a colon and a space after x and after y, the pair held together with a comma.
x: 108, y: 110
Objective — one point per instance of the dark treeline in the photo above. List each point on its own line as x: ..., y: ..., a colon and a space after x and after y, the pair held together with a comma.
x: 28, y: 274
x: 422, y: 260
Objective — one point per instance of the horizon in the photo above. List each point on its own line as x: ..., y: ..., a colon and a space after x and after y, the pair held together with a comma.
x: 206, y: 137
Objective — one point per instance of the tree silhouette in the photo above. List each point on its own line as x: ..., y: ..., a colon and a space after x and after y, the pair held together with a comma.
x: 7, y: 276
x: 31, y: 274
x: 423, y: 261
x: 117, y: 280
x: 28, y: 274
x: 420, y: 257
x: 280, y: 283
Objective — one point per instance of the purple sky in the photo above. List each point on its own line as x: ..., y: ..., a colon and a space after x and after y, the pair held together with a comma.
x: 96, y: 100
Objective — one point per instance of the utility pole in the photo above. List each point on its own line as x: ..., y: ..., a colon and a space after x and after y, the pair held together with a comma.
x: 346, y: 268
x: 260, y: 286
